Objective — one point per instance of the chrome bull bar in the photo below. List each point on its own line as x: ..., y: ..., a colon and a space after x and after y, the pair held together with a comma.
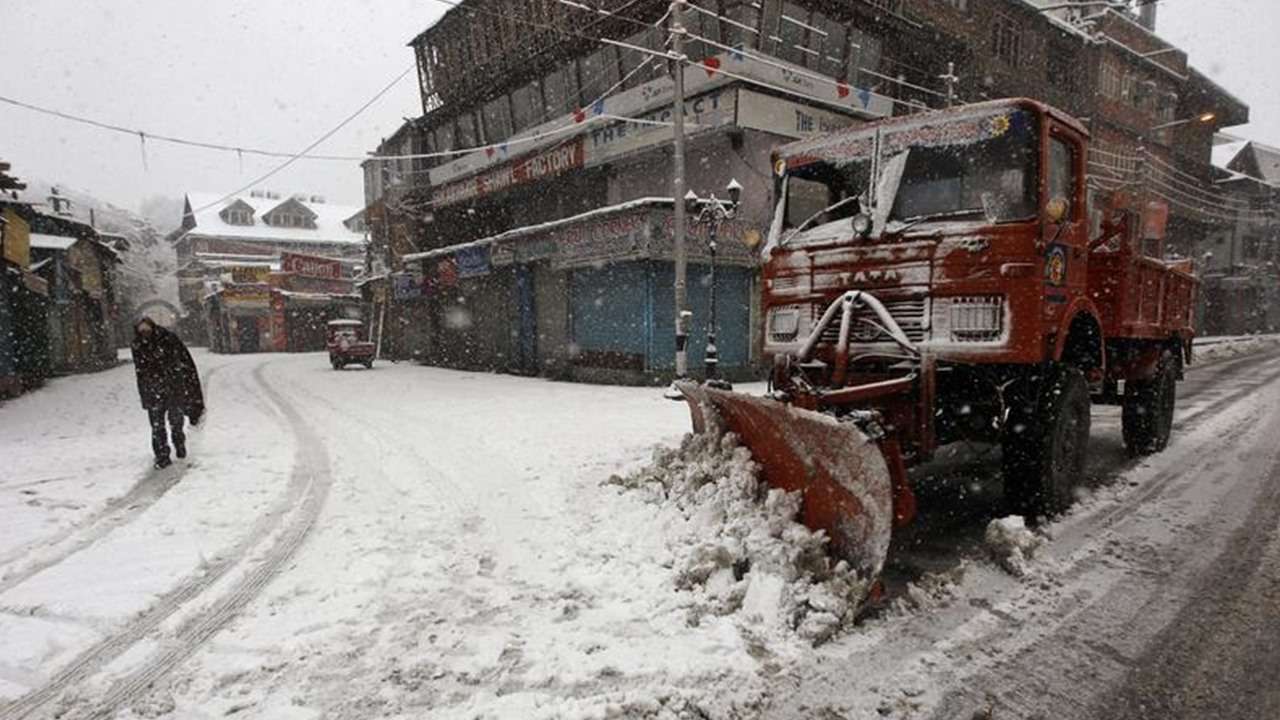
x: 846, y: 307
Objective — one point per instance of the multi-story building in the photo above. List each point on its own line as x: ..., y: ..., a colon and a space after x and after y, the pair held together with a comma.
x: 60, y: 291
x: 1241, y: 290
x: 549, y: 246
x: 264, y: 272
x: 1151, y: 115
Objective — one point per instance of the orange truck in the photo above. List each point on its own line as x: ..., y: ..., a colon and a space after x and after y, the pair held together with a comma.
x: 941, y: 277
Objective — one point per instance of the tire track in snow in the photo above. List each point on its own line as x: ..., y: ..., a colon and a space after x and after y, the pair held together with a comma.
x: 1119, y: 651
x: 307, y: 491
x: 145, y: 492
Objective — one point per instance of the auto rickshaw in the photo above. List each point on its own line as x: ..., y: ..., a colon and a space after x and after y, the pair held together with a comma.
x: 348, y: 344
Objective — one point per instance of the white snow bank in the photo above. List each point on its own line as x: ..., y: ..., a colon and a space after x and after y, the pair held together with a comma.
x: 736, y: 545
x: 1209, y: 350
x: 1011, y: 544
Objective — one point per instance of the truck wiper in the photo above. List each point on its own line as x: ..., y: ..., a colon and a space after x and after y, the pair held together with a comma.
x: 800, y: 228
x: 906, y: 224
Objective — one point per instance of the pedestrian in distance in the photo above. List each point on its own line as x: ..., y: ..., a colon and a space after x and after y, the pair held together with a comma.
x: 168, y: 385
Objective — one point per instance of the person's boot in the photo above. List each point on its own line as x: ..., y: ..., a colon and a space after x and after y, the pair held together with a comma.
x: 180, y: 449
x: 163, y: 462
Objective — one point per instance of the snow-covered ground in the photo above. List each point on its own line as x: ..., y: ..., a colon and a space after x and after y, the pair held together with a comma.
x: 416, y: 542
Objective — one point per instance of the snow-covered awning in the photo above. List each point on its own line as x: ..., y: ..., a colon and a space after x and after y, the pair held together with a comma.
x: 541, y: 227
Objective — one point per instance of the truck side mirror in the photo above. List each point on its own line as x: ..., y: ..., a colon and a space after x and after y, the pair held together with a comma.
x: 1056, y: 210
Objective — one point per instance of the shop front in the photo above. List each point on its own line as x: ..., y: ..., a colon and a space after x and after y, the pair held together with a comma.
x: 590, y: 298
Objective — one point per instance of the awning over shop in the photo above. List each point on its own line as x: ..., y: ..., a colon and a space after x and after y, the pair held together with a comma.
x: 635, y: 230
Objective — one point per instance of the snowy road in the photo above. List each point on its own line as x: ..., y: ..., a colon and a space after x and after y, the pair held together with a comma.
x: 413, y: 542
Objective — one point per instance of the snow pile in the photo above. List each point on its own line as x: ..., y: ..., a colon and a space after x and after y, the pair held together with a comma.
x: 1011, y: 544
x: 1215, y: 349
x: 736, y: 545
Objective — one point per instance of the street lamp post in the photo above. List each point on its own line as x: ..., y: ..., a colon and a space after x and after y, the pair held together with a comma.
x: 711, y: 211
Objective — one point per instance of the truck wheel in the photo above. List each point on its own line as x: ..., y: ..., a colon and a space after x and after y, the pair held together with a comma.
x: 1146, y: 419
x: 1044, y: 446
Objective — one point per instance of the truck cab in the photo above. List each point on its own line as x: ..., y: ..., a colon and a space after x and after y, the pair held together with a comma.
x: 970, y: 226
x: 938, y: 273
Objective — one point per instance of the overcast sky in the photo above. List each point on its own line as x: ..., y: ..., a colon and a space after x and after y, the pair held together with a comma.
x: 280, y: 73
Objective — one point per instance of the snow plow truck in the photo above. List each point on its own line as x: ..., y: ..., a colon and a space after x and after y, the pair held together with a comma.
x: 940, y: 277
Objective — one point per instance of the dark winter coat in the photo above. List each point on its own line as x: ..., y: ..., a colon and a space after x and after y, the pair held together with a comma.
x: 167, y: 376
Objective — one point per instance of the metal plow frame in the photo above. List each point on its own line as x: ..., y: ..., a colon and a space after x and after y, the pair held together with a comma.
x: 853, y: 486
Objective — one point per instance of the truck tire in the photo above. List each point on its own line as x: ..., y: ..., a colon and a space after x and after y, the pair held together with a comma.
x: 1146, y: 417
x: 1044, y: 445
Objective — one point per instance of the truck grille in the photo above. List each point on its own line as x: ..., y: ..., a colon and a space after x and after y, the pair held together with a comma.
x: 912, y: 314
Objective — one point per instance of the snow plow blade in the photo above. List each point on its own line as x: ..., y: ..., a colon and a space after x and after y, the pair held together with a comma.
x: 841, y: 473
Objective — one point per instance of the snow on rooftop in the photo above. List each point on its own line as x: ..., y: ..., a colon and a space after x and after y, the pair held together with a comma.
x: 329, y: 219
x: 1223, y: 154
x: 41, y: 241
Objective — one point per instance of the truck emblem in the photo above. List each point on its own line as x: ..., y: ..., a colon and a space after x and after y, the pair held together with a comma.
x: 876, y: 276
x: 1055, y: 266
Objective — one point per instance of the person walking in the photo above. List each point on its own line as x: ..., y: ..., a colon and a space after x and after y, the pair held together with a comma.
x: 168, y: 385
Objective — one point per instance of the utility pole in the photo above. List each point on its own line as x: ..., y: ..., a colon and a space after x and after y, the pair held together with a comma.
x: 677, y: 191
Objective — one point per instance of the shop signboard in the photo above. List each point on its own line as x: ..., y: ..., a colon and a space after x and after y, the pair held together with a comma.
x: 711, y: 73
x: 736, y: 241
x: 246, y: 297
x: 407, y: 286
x: 549, y: 163
x: 703, y: 113
x: 311, y: 266
x: 593, y: 243
x: 248, y: 274
x: 523, y: 250
x: 757, y: 111
x: 472, y: 261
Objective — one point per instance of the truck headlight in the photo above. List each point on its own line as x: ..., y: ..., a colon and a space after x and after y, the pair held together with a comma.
x: 972, y: 318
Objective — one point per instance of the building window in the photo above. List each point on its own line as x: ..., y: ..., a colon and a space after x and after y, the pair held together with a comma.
x: 560, y: 91
x: 497, y: 119
x: 741, y: 24
x: 864, y: 55
x: 1109, y: 82
x: 466, y: 132
x: 791, y: 40
x: 834, y: 49
x: 238, y: 216
x: 526, y: 106
x: 632, y: 59
x: 1006, y: 40
x: 598, y: 72
x: 444, y: 137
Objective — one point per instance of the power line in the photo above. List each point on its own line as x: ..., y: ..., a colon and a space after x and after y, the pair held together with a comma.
x: 135, y: 132
x: 377, y: 96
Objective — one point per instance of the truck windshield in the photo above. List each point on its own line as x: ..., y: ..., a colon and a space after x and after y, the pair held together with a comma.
x: 986, y: 166
x: 995, y: 178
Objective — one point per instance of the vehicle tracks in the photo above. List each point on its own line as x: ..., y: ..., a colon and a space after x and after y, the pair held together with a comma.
x: 308, y: 488
x: 145, y: 492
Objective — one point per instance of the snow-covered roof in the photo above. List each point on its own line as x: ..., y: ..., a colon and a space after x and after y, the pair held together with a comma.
x: 329, y: 220
x: 41, y: 241
x: 1268, y: 162
x: 1226, y: 152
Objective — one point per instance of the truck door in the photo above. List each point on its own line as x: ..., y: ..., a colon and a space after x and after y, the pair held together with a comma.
x: 1065, y: 228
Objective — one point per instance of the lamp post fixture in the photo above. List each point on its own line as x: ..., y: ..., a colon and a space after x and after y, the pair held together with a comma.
x: 1202, y: 118
x: 711, y: 211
